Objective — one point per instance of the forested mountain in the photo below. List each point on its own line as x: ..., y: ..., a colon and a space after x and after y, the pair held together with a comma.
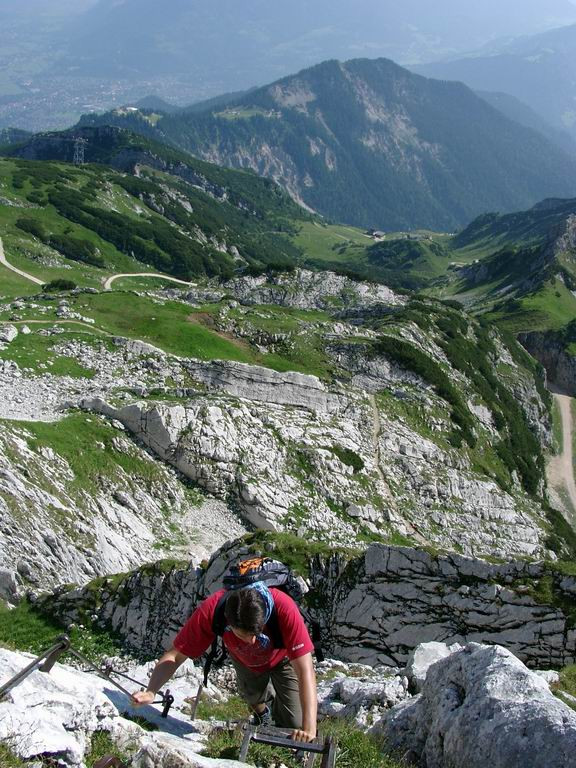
x: 140, y: 200
x: 539, y: 70
x: 59, y: 57
x: 369, y: 143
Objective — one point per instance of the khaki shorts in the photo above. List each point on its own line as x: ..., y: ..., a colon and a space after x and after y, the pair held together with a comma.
x: 278, y: 688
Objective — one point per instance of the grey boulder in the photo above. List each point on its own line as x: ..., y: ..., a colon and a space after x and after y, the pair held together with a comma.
x: 482, y: 707
x: 422, y: 658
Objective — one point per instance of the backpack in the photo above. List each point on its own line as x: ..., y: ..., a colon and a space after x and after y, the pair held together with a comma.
x: 273, y: 574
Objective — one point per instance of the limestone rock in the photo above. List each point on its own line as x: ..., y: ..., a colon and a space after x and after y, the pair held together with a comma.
x: 373, y: 609
x: 56, y: 714
x: 52, y: 713
x: 395, y: 598
x: 278, y: 445
x: 303, y: 289
x: 550, y: 675
x: 481, y: 706
x: 54, y: 531
x: 422, y: 658
x: 8, y: 333
x: 363, y: 697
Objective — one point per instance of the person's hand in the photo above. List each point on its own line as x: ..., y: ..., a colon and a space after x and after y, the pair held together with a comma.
x: 300, y: 735
x: 142, y: 697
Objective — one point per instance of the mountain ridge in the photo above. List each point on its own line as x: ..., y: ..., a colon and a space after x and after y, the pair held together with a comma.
x: 369, y: 143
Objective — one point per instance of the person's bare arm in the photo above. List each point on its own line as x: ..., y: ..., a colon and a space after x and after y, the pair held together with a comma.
x: 304, y: 669
x: 166, y: 666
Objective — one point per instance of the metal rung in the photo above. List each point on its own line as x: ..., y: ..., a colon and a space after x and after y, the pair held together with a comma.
x: 279, y: 737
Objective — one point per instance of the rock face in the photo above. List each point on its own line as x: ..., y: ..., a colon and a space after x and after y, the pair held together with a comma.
x: 374, y: 609
x: 369, y: 452
x: 549, y: 350
x: 252, y: 382
x: 481, y: 707
x: 60, y: 527
x: 394, y: 598
x: 264, y: 456
x: 297, y: 454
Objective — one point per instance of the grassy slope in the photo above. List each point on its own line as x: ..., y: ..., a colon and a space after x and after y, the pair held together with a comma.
x: 23, y: 250
x: 175, y: 327
x: 34, y: 352
x: 168, y: 225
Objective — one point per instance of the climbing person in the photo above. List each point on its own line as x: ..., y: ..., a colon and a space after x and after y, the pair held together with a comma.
x: 270, y: 649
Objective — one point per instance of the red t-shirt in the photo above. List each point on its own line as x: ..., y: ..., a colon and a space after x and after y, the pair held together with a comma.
x: 197, y: 635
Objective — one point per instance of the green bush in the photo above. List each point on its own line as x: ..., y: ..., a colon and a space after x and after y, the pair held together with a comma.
x: 348, y: 457
x: 76, y: 249
x: 59, y: 285
x: 32, y: 226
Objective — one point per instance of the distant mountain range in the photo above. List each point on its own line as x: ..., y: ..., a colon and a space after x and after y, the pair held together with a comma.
x: 58, y: 57
x: 371, y: 144
x: 538, y: 70
x: 242, y: 44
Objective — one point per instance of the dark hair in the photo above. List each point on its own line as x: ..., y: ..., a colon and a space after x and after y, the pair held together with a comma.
x: 245, y: 609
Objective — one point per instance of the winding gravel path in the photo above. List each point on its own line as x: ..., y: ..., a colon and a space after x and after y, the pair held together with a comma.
x: 107, y: 282
x: 110, y: 280
x: 9, y: 266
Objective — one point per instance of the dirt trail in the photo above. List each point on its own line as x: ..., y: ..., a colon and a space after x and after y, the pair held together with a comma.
x: 18, y: 271
x: 110, y: 280
x: 561, y: 468
x: 93, y: 328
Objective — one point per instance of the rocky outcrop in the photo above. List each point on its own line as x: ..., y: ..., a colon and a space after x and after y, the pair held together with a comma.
x: 368, y: 452
x: 327, y: 467
x: 262, y: 456
x: 358, y: 692
x: 374, y: 608
x: 58, y: 526
x: 300, y: 289
x: 265, y: 385
x: 478, y: 707
x: 8, y: 333
x: 422, y: 658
